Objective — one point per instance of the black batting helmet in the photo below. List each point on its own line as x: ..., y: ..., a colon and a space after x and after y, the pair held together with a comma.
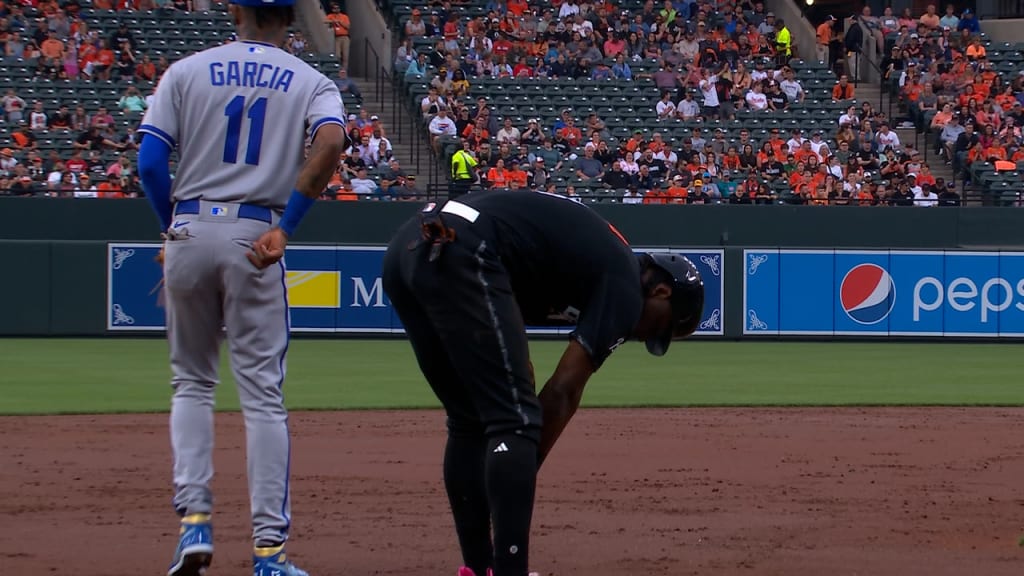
x: 687, y: 298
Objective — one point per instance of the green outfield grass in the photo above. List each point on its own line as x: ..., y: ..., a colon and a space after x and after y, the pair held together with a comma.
x: 116, y: 375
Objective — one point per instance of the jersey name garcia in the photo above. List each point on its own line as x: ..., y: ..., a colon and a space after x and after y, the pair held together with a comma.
x: 239, y: 116
x: 250, y: 75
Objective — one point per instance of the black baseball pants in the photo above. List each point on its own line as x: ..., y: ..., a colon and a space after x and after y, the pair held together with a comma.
x: 467, y: 332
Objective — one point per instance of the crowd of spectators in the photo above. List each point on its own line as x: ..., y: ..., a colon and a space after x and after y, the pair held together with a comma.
x: 712, y: 64
x: 98, y: 159
x: 949, y: 88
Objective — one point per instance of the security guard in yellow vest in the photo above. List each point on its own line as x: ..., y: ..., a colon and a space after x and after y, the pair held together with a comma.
x: 463, y: 172
x: 783, y: 42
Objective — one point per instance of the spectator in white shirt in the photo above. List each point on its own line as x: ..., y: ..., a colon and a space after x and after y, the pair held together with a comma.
x: 665, y: 108
x: 755, y: 98
x: 432, y: 103
x: 569, y: 8
x: 820, y: 147
x: 37, y: 119
x: 441, y: 125
x: 709, y: 92
x: 632, y: 196
x: 508, y: 134
x: 850, y: 117
x: 791, y: 87
x: 796, y: 141
x: 886, y: 138
x: 923, y: 195
x: 688, y: 109
x: 363, y: 185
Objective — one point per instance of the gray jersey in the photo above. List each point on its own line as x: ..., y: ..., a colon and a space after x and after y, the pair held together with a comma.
x: 239, y: 115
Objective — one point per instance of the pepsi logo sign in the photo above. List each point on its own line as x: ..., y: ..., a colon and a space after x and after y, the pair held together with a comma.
x: 867, y: 294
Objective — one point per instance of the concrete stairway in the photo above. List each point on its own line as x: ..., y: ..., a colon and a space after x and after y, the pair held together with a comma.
x: 866, y: 91
x: 404, y: 143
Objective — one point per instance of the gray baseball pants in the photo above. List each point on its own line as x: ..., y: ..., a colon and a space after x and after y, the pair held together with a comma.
x: 213, y: 292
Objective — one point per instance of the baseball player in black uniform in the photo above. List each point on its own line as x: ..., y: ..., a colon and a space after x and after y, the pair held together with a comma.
x: 466, y: 278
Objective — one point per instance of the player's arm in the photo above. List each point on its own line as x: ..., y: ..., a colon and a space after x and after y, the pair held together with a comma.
x: 326, y: 130
x: 322, y: 161
x: 561, y: 395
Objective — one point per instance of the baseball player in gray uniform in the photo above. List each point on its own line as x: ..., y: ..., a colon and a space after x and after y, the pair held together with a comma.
x: 238, y: 115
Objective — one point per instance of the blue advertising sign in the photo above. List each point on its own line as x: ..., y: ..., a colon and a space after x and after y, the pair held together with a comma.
x: 330, y: 289
x: 883, y: 293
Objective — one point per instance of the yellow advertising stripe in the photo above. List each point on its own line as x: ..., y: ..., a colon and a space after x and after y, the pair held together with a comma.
x: 313, y: 289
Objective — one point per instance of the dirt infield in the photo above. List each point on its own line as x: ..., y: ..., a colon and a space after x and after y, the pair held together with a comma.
x: 874, y: 492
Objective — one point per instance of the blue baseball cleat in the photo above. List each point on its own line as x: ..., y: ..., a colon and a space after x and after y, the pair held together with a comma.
x: 272, y: 561
x: 195, y: 547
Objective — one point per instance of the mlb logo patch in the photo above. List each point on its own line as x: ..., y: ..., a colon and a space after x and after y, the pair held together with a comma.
x: 218, y: 211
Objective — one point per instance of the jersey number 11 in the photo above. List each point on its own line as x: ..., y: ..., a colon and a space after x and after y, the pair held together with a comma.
x: 257, y: 114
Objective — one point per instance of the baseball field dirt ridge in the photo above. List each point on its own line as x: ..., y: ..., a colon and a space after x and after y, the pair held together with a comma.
x: 801, y: 491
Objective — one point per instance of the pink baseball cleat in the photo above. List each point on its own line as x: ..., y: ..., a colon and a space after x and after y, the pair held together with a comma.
x: 464, y: 571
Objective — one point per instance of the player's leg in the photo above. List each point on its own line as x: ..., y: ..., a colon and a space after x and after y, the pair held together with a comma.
x: 256, y: 317
x: 479, y: 321
x: 465, y: 451
x: 192, y: 292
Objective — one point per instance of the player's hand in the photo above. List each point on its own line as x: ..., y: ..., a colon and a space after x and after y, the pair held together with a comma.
x: 269, y: 249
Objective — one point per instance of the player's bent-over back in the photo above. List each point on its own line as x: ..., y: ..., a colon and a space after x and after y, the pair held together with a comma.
x: 239, y: 116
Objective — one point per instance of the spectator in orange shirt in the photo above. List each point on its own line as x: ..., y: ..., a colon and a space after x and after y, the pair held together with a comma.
x: 339, y: 23
x: 52, y: 47
x: 517, y: 177
x: 109, y: 189
x: 498, y: 177
x: 677, y: 192
x: 996, y: 151
x: 843, y: 90
x: 345, y: 193
x: 976, y: 51
x: 103, y: 62
x: 571, y: 133
x: 145, y: 70
x: 731, y: 160
x: 517, y: 7
x: 804, y: 153
x: 930, y: 18
x: 656, y: 196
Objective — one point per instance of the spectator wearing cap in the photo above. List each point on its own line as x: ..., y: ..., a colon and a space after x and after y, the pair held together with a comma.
x: 7, y: 161
x: 518, y: 178
x: 440, y: 126
x: 767, y: 26
x: 949, y: 135
x: 23, y: 186
x: 948, y: 195
x: 688, y: 108
x: 85, y: 187
x: 539, y: 175
x: 406, y: 191
x: 969, y: 23
x: 886, y: 138
x: 533, y: 135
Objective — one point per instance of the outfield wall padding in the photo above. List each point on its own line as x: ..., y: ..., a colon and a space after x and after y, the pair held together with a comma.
x: 59, y: 259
